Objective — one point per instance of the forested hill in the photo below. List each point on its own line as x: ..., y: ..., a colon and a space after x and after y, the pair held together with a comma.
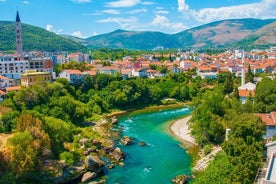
x: 226, y: 33
x: 35, y: 38
x: 234, y: 33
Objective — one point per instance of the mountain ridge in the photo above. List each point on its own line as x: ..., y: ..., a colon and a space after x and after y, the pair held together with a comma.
x: 224, y: 33
x: 231, y: 33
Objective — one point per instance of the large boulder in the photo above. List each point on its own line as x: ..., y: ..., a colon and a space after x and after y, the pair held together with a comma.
x: 180, y: 179
x: 69, y: 174
x: 88, y: 176
x: 117, y: 154
x: 125, y: 140
x: 93, y: 164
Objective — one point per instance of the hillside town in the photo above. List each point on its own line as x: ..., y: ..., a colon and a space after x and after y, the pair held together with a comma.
x: 24, y: 69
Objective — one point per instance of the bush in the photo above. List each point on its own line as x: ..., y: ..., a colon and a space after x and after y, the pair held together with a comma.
x: 207, y: 149
x: 68, y: 157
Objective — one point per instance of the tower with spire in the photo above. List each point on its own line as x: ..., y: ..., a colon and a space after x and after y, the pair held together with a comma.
x: 18, y: 29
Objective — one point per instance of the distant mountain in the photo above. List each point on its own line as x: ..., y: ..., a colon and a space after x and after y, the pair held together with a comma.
x: 132, y: 40
x: 238, y: 33
x: 35, y: 38
x: 218, y: 34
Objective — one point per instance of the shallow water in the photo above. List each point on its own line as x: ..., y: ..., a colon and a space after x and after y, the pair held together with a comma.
x: 157, y: 162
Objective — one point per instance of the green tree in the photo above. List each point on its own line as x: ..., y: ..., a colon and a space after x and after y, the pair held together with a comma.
x: 228, y: 83
x: 24, y: 151
x: 217, y: 172
x: 249, y: 75
x: 60, y: 132
x: 9, y: 121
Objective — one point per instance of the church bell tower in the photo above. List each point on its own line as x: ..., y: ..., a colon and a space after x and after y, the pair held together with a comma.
x: 18, y: 30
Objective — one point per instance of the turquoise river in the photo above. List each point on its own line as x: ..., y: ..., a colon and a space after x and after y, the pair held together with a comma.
x: 161, y: 159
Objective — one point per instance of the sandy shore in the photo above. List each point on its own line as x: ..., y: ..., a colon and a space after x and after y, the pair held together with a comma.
x: 181, y: 130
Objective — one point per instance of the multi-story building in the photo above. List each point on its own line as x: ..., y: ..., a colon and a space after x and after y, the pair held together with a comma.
x: 32, y: 76
x: 12, y: 66
x: 41, y: 64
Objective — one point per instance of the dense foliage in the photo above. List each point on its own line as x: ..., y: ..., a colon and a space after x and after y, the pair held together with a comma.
x: 44, y: 117
x: 266, y: 96
x: 242, y: 152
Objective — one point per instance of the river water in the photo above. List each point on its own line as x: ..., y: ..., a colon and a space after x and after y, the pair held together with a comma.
x: 157, y: 162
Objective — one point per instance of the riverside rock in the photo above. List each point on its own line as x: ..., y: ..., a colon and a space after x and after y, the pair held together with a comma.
x: 142, y: 143
x: 93, y: 164
x: 180, y: 179
x: 117, y: 154
x: 125, y: 140
x: 88, y: 176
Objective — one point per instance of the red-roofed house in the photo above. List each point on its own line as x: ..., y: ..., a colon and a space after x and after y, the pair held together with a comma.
x: 247, y: 90
x: 13, y: 88
x: 270, y: 122
x: 73, y: 76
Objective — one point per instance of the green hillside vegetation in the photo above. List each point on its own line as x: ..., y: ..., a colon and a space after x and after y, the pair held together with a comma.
x: 132, y: 40
x: 48, y: 121
x: 241, y: 156
x: 35, y: 38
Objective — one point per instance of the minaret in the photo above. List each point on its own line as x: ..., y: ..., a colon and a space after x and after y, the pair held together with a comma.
x: 18, y: 29
x: 243, y: 70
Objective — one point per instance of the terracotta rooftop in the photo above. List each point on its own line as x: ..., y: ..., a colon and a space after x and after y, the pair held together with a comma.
x: 268, y: 119
x: 13, y: 88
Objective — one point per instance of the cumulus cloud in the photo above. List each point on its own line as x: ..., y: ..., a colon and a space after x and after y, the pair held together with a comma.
x: 263, y: 9
x: 123, y: 3
x: 78, y: 34
x: 81, y: 1
x: 123, y: 22
x: 182, y: 6
x: 51, y: 28
x: 163, y: 22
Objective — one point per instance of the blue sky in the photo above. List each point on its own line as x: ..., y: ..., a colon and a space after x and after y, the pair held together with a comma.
x: 85, y: 18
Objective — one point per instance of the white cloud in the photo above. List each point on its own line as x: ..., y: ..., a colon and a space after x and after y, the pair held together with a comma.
x: 161, y: 12
x: 81, y: 1
x: 147, y: 3
x: 182, y: 6
x: 77, y: 34
x: 123, y: 3
x: 26, y: 2
x: 160, y: 21
x: 114, y: 12
x: 123, y: 22
x: 143, y: 10
x: 51, y: 28
x: 262, y: 10
x: 163, y: 22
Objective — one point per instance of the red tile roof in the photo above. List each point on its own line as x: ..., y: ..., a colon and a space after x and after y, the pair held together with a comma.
x: 13, y: 88
x: 268, y: 119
